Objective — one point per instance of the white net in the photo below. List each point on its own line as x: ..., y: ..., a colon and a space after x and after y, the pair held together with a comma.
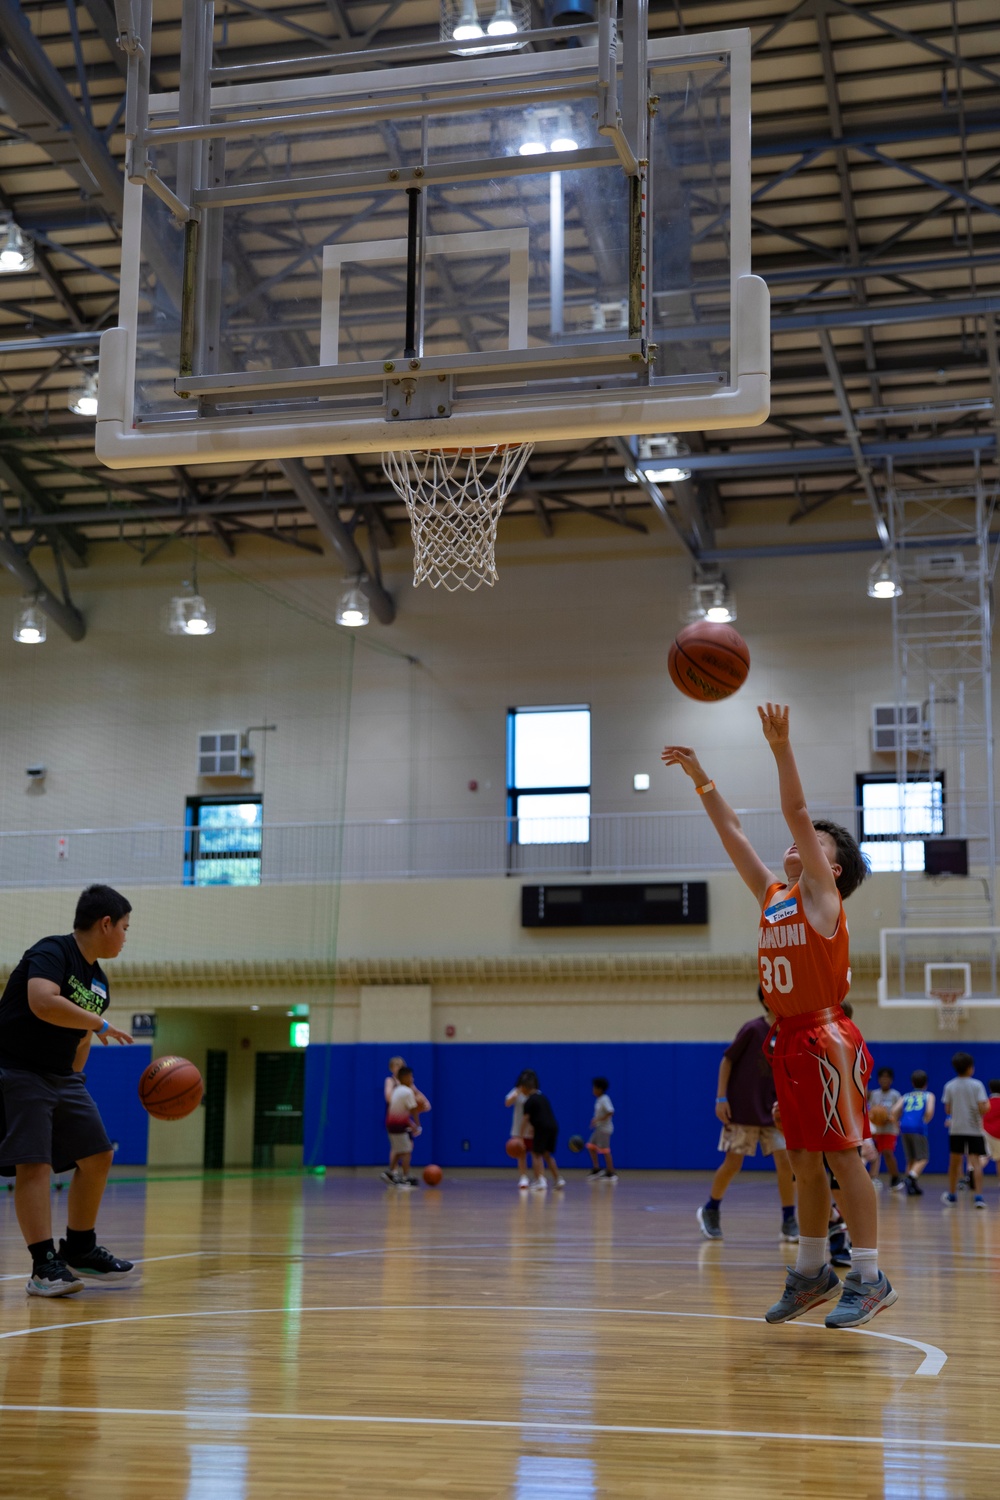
x: 454, y: 498
x: 950, y: 1012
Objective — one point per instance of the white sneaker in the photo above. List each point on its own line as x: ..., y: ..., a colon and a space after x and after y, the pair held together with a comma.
x: 539, y: 1185
x: 561, y: 1183
x: 524, y: 1182
x: 877, y: 1184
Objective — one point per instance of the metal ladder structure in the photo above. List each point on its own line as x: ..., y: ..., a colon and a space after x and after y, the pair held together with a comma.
x: 942, y: 644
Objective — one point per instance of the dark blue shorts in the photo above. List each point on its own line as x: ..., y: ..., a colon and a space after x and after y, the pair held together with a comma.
x: 48, y: 1117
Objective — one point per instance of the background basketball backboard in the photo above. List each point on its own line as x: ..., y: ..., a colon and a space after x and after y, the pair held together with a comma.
x: 494, y: 248
x: 919, y: 963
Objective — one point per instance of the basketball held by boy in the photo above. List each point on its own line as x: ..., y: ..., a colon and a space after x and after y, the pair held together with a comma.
x: 821, y: 1063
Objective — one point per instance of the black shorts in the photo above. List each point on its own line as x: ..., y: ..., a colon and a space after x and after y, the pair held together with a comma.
x: 958, y: 1145
x: 543, y: 1142
x: 48, y: 1117
x: 917, y: 1147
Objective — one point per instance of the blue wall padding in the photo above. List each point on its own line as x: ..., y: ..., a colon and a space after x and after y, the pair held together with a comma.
x: 663, y: 1094
x: 113, y: 1074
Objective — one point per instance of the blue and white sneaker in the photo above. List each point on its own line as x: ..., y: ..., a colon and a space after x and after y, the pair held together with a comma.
x: 861, y: 1301
x: 979, y: 1201
x: 949, y: 1198
x: 803, y: 1292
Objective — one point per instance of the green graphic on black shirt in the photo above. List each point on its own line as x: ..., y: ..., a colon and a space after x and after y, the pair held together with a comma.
x: 84, y: 997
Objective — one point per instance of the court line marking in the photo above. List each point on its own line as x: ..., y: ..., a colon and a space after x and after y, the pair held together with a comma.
x: 933, y: 1362
x: 587, y: 1428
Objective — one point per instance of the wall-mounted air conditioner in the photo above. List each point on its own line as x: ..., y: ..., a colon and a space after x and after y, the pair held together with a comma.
x: 224, y: 753
x: 899, y: 725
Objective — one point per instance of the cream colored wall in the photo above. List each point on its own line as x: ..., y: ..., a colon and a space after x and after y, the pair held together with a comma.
x: 585, y: 617
x: 190, y: 1032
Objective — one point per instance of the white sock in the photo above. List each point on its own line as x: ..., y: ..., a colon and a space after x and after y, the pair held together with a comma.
x: 812, y: 1255
x: 865, y: 1262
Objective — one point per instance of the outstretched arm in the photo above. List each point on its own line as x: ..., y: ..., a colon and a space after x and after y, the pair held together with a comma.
x: 819, y: 880
x: 749, y: 865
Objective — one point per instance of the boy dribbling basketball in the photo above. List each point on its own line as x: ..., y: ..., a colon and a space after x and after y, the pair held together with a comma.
x: 51, y: 1009
x: 821, y: 1063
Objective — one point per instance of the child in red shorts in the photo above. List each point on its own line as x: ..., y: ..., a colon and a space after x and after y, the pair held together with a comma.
x: 821, y: 1063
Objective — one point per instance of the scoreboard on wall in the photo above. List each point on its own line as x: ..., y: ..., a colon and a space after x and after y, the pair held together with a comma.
x: 675, y: 903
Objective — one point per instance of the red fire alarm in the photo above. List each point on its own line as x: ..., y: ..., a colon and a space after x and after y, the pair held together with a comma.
x: 449, y: 1031
x: 473, y: 786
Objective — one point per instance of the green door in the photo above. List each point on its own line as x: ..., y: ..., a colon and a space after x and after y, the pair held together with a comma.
x: 279, y: 1100
x: 216, y: 1065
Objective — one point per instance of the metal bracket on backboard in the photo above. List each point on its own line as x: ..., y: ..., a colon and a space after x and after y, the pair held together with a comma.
x: 410, y: 398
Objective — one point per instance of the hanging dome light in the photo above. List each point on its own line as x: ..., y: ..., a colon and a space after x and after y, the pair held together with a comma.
x: 884, y: 581
x: 83, y: 400
x: 17, y: 253
x: 657, y: 458
x: 503, y: 23
x: 29, y: 623
x: 352, y: 610
x: 467, y: 27
x: 188, y: 614
x: 710, y: 599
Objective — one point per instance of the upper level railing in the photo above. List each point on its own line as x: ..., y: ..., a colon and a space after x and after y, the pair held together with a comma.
x: 400, y: 849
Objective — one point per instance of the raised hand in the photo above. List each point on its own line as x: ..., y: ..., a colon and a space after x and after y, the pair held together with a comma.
x: 684, y: 756
x: 774, y: 722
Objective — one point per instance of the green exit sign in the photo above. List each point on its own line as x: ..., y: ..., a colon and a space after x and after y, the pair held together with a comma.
x: 298, y: 1033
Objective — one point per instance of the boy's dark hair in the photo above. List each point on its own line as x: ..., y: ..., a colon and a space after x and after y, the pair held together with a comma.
x: 402, y: 1072
x: 854, y: 867
x: 529, y: 1078
x: 600, y: 1083
x: 995, y: 1085
x: 97, y: 902
x: 760, y: 994
x: 848, y: 1009
x: 919, y: 1079
x: 962, y: 1062
x: 885, y: 1073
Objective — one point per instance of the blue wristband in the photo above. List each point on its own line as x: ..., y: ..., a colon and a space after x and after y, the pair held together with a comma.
x: 723, y: 1100
x: 103, y: 1027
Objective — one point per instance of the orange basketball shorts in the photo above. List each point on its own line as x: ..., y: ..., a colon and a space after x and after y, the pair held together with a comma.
x: 821, y: 1073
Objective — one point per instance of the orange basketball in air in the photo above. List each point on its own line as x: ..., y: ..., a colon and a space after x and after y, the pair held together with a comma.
x: 708, y: 662
x: 170, y: 1088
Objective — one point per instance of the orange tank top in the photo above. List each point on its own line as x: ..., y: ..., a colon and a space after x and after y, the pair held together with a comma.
x: 800, y: 970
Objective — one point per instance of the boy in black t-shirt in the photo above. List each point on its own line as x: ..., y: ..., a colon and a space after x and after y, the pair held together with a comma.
x: 539, y: 1111
x: 50, y: 1012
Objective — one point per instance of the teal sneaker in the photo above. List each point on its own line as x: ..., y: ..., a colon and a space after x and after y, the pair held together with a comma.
x: 803, y: 1292
x: 861, y: 1301
x: 100, y: 1267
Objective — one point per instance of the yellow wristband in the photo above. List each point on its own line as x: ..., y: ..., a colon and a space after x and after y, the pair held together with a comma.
x: 708, y: 787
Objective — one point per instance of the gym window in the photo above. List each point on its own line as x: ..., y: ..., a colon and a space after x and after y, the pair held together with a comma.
x: 548, y: 775
x: 888, y: 808
x: 222, y: 840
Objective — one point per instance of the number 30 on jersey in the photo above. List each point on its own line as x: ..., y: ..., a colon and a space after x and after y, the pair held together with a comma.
x: 776, y: 974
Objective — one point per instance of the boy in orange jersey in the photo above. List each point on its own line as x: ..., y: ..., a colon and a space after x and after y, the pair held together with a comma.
x: 821, y: 1063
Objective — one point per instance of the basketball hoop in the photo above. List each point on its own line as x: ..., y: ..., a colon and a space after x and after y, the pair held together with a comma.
x: 949, y: 1010
x: 454, y: 505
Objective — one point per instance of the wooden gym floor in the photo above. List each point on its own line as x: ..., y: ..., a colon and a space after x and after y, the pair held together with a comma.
x: 309, y: 1336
